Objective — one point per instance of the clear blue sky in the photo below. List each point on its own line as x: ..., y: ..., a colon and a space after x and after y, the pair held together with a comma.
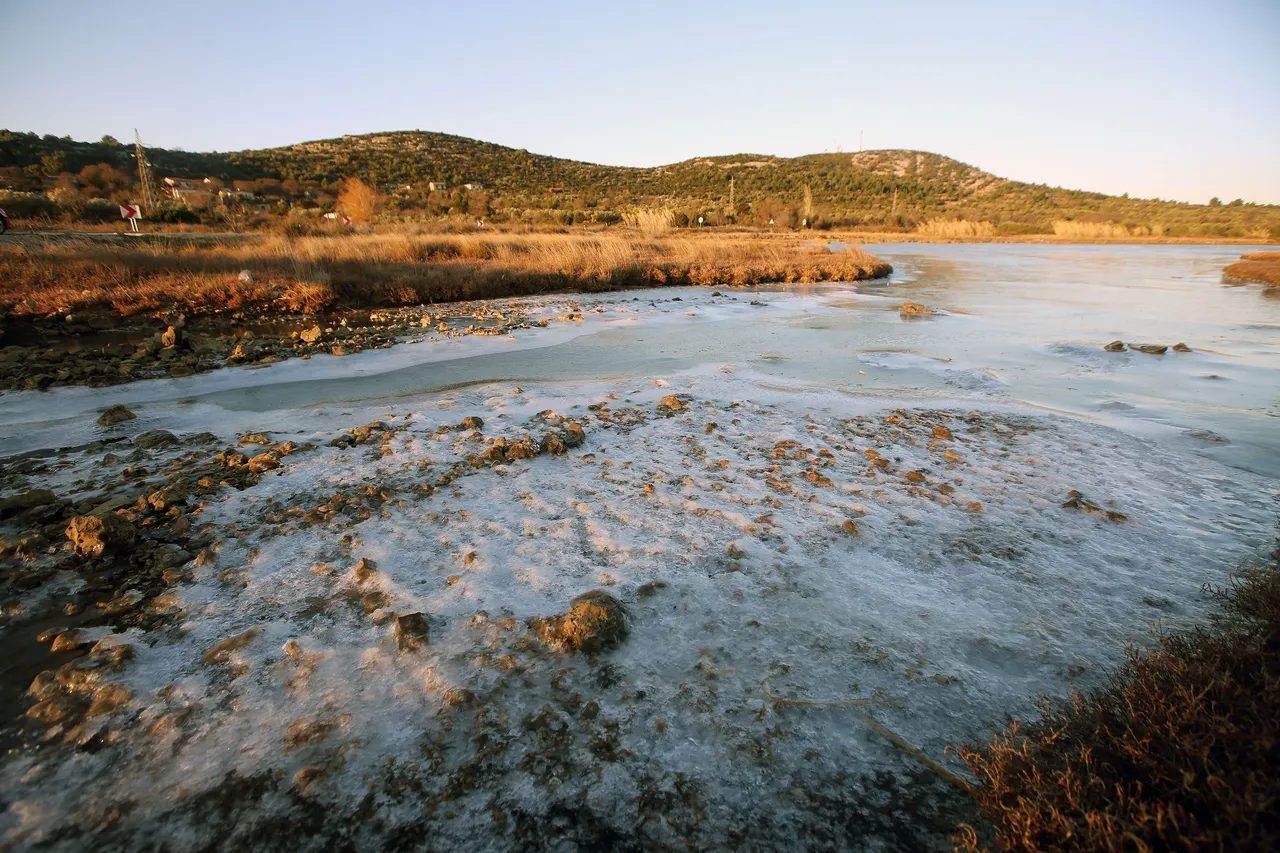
x: 1161, y: 99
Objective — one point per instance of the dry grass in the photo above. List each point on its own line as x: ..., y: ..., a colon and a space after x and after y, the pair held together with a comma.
x: 318, y: 273
x: 959, y: 229
x: 1256, y: 266
x: 1179, y: 751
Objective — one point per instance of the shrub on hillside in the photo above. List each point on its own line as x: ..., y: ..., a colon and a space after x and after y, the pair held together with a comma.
x: 100, y: 210
x: 29, y: 206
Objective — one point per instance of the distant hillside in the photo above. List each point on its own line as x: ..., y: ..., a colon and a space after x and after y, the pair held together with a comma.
x: 896, y: 189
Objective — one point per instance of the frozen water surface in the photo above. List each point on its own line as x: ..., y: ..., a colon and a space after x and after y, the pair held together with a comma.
x: 849, y: 515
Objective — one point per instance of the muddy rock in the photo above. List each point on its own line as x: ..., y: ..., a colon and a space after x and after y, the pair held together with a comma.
x: 411, y: 631
x: 471, y: 422
x: 152, y: 439
x: 95, y: 535
x: 595, y: 622
x: 1115, y: 346
x: 1181, y: 347
x: 114, y: 415
x: 1150, y: 349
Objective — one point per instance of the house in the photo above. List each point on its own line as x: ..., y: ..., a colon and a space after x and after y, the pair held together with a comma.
x: 189, y: 190
x: 243, y: 195
x: 473, y: 187
x: 437, y: 186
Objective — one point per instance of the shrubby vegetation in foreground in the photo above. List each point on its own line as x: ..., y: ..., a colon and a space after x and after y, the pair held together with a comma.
x: 1178, y: 751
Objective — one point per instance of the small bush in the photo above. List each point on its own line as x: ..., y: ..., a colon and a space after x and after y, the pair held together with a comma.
x: 100, y: 210
x: 183, y: 215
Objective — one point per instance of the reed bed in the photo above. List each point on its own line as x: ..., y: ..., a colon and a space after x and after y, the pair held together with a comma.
x: 326, y: 272
x: 960, y: 229
x: 1090, y: 230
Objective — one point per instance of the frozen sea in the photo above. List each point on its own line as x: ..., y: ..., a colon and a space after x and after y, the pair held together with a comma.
x: 782, y: 587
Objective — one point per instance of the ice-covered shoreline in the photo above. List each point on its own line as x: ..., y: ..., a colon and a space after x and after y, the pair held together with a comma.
x: 762, y: 553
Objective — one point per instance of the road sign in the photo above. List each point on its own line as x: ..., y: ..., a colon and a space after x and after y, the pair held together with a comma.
x: 131, y: 212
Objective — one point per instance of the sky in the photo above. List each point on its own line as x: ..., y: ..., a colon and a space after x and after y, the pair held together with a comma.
x: 1168, y: 99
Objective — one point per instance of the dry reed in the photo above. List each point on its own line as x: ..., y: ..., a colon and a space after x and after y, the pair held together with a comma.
x: 956, y: 229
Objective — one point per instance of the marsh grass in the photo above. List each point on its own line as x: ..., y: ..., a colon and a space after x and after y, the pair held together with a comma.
x: 1256, y: 266
x: 1178, y: 751
x: 324, y: 272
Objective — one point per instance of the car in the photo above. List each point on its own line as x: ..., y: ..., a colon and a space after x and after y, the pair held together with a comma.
x: 4, y: 221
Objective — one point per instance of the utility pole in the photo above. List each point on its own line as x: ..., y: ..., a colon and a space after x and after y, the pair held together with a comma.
x: 860, y: 142
x: 732, y: 209
x: 144, y: 174
x: 894, y: 210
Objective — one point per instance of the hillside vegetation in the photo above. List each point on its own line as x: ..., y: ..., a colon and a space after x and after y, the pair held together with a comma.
x: 875, y: 190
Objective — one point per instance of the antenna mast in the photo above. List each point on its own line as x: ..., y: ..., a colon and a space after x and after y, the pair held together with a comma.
x: 144, y: 174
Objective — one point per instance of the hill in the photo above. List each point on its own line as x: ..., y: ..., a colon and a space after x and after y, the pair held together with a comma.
x: 894, y: 189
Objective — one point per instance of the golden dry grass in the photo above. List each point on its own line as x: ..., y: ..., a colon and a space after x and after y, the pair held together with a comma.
x: 1178, y: 751
x: 1090, y: 230
x: 317, y: 273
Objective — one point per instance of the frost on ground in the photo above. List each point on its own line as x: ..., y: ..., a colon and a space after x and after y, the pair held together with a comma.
x: 791, y: 567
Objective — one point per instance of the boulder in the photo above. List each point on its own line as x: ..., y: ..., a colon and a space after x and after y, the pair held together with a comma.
x: 595, y: 622
x: 15, y: 504
x: 311, y: 335
x: 1181, y: 347
x: 1115, y: 346
x: 114, y: 415
x: 1151, y: 349
x: 263, y: 462
x: 471, y: 422
x: 95, y: 535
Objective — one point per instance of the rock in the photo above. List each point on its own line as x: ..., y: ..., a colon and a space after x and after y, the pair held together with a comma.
x: 344, y: 440
x: 364, y: 570
x: 15, y: 504
x: 471, y: 422
x: 1151, y: 349
x: 246, y: 277
x: 1115, y: 346
x: 916, y: 309
x: 525, y: 448
x: 126, y: 602
x: 172, y: 338
x: 154, y: 438
x: 68, y: 640
x: 311, y: 335
x: 942, y: 433
x: 1181, y: 347
x: 263, y: 462
x: 595, y: 621
x: 114, y: 415
x: 222, y: 650
x: 95, y: 535
x: 169, y: 556
x: 574, y: 435
x: 411, y: 631
x: 553, y: 444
